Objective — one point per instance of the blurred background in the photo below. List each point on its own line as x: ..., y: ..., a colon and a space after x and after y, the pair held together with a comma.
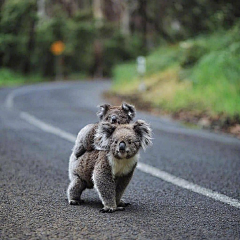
x: 191, y: 49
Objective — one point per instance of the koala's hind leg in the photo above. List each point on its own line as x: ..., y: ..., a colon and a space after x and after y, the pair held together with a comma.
x: 75, y: 190
x: 84, y: 141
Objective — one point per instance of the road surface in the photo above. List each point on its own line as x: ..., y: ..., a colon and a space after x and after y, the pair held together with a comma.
x: 185, y: 187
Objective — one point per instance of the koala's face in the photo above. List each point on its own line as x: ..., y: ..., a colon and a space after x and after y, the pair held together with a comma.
x: 116, y: 114
x: 125, y: 143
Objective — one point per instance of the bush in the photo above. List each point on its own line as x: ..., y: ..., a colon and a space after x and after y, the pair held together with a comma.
x: 11, y: 78
x: 79, y: 47
x: 119, y: 49
x: 208, y: 67
x: 16, y: 24
x: 192, y: 54
x: 25, y: 40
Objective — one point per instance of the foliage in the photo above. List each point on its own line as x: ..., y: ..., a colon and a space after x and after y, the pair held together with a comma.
x: 10, y: 78
x: 48, y: 32
x: 192, y: 54
x: 25, y: 40
x: 16, y: 19
x: 200, y: 74
x: 119, y: 49
x: 201, y: 16
x: 26, y: 37
x: 79, y: 46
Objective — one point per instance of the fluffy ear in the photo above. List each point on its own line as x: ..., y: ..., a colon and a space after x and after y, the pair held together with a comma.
x: 102, y: 136
x: 103, y: 110
x: 144, y: 132
x: 129, y: 109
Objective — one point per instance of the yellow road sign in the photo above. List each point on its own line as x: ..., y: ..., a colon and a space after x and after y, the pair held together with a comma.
x: 57, y: 47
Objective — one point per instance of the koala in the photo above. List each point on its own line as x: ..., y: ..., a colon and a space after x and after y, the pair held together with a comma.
x: 113, y: 114
x: 110, y: 169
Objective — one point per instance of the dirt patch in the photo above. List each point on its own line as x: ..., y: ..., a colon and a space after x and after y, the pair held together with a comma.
x: 217, y: 123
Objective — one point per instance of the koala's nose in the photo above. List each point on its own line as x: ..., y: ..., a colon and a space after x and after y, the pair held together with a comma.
x: 114, y: 119
x: 122, y: 146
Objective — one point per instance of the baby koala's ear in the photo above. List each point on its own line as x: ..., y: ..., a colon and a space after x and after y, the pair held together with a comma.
x: 144, y: 132
x: 129, y: 109
x: 103, y: 110
x: 102, y: 136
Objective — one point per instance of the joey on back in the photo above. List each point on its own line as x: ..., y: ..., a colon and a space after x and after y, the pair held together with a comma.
x: 109, y: 170
x: 113, y: 114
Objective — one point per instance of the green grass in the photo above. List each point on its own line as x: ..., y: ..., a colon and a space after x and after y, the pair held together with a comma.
x: 9, y: 78
x: 126, y: 74
x: 201, y: 74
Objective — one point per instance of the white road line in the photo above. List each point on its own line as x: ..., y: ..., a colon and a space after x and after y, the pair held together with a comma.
x: 141, y: 166
x: 47, y: 128
x: 9, y: 101
x: 188, y: 185
x: 9, y: 104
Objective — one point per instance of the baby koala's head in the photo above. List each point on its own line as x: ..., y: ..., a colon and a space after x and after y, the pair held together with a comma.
x: 116, y: 114
x: 123, y: 141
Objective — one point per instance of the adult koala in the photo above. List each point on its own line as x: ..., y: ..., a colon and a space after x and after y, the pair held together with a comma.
x: 113, y: 114
x: 110, y: 169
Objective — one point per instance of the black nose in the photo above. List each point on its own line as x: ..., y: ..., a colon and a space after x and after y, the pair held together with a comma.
x: 122, y: 146
x: 114, y: 119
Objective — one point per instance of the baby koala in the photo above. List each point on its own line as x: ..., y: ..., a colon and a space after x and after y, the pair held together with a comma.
x: 110, y: 169
x: 114, y: 114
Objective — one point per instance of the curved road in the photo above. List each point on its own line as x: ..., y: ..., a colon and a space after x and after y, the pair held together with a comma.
x: 186, y: 185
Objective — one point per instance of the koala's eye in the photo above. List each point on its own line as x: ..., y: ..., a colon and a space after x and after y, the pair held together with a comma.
x: 129, y: 141
x: 116, y: 141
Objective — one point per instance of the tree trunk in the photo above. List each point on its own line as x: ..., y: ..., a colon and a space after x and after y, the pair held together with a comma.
x: 143, y: 14
x: 98, y: 59
x: 41, y: 8
x: 97, y: 45
x: 30, y: 46
x: 97, y: 10
x: 125, y: 19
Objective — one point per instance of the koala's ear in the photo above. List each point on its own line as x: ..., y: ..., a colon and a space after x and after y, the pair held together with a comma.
x: 103, y: 134
x: 129, y: 109
x: 103, y: 110
x: 144, y: 132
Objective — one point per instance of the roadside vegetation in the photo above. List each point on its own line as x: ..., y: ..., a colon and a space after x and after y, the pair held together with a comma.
x: 192, y: 49
x: 10, y: 78
x: 196, y: 78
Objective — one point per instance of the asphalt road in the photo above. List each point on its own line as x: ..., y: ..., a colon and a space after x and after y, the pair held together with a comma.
x: 34, y: 177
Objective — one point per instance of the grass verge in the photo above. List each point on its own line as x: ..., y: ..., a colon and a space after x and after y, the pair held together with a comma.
x: 198, y: 78
x: 9, y: 78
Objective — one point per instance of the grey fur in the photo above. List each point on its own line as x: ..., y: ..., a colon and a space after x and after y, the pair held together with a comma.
x: 119, y: 114
x: 110, y: 170
x: 85, y: 140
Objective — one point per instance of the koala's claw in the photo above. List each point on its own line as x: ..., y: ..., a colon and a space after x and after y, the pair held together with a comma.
x: 120, y: 208
x: 107, y: 210
x: 111, y: 210
x: 123, y: 204
x: 76, y: 202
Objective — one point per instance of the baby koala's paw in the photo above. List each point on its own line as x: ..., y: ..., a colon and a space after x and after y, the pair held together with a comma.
x: 123, y: 204
x: 111, y: 210
x: 76, y: 202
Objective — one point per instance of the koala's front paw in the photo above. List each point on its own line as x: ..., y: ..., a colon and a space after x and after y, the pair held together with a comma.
x: 111, y: 210
x: 123, y: 204
x: 76, y: 202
